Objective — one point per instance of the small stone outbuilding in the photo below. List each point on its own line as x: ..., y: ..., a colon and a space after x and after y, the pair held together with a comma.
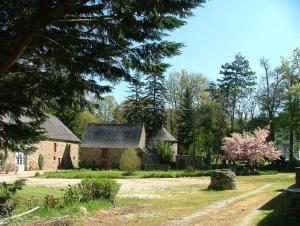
x: 60, y: 150
x: 163, y: 135
x: 103, y: 144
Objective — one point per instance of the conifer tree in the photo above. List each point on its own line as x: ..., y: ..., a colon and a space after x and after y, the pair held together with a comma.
x: 237, y: 81
x: 155, y: 113
x: 185, y: 122
x: 134, y: 103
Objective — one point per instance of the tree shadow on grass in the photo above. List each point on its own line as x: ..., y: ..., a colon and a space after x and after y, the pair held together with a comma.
x: 277, y: 216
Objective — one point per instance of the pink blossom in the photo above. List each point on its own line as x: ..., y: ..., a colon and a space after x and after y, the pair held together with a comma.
x: 250, y: 147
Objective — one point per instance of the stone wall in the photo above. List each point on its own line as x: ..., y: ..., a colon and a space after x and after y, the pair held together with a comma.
x: 222, y: 180
x: 95, y: 158
x: 65, y: 155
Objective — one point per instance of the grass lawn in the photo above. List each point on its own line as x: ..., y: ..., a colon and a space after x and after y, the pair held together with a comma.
x: 160, y: 204
x: 118, y: 174
x: 157, y: 206
x: 33, y: 196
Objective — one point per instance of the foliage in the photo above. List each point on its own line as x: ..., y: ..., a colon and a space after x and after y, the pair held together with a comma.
x: 185, y: 122
x: 164, y: 151
x: 54, y: 52
x: 99, y: 188
x: 9, y: 167
x: 7, y: 191
x: 51, y: 202
x: 72, y: 194
x: 41, y: 162
x: 134, y: 103
x: 155, y: 115
x: 81, y: 121
x: 236, y: 83
x: 250, y: 148
x: 129, y: 160
x: 103, y: 109
x: 212, y: 127
x: 270, y: 94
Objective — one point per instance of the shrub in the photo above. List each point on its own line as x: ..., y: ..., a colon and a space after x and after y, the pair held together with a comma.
x: 99, y: 188
x: 51, y: 202
x: 72, y: 194
x: 164, y: 151
x: 37, y: 174
x: 8, y: 167
x: 7, y: 191
x: 41, y: 162
x: 129, y: 160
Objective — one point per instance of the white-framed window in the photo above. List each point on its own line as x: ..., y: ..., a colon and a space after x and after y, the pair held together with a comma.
x: 20, y: 159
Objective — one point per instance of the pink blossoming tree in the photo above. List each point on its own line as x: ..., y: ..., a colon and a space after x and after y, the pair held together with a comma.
x: 251, y: 148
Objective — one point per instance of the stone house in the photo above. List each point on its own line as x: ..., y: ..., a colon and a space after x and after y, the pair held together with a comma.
x: 59, y: 151
x: 103, y: 145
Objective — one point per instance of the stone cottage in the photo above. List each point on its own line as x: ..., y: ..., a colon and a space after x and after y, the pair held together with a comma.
x: 104, y: 144
x: 59, y: 151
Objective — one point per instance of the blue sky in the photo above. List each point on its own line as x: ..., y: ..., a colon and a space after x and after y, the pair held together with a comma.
x: 223, y: 28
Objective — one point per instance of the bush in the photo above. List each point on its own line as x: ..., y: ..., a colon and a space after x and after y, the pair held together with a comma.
x: 72, y: 194
x: 129, y: 160
x: 8, y: 167
x: 41, y: 162
x: 164, y: 151
x: 97, y: 188
x: 51, y: 202
x: 7, y: 191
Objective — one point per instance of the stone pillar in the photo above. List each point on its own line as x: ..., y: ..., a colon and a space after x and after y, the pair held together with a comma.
x: 297, y: 169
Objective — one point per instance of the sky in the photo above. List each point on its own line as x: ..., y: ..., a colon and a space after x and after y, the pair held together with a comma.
x: 222, y: 28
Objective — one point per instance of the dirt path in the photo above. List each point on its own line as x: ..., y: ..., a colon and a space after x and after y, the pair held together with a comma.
x: 220, y: 205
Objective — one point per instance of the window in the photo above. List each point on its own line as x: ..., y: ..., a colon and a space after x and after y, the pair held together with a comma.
x: 55, y: 147
x: 54, y: 158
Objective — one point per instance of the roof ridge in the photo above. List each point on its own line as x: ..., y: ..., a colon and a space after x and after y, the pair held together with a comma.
x: 116, y: 124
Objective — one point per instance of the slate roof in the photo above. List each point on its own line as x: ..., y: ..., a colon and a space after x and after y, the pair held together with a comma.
x: 58, y: 131
x: 163, y: 134
x: 55, y: 129
x: 112, y: 135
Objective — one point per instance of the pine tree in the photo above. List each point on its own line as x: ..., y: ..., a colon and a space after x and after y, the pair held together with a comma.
x: 155, y: 113
x: 185, y: 122
x: 134, y: 103
x: 237, y: 81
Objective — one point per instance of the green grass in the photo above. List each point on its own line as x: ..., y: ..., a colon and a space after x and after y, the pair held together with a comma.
x: 32, y: 196
x: 118, y: 174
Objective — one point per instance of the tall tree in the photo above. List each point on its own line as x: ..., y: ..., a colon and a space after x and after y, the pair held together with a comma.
x: 135, y: 104
x: 155, y: 113
x: 270, y: 94
x: 91, y: 41
x: 291, y: 117
x: 236, y: 82
x: 186, y: 120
